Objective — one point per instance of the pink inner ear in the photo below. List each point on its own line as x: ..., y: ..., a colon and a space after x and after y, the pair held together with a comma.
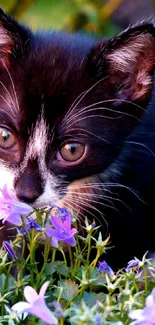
x: 6, y: 44
x: 135, y: 60
x: 137, y: 51
x: 142, y: 83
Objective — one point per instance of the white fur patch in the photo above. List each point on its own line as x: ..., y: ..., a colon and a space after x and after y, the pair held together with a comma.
x: 36, y: 149
x: 6, y: 176
x: 38, y: 141
x: 49, y: 196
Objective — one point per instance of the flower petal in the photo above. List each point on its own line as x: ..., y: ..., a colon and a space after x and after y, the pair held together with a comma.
x: 23, y: 207
x: 70, y: 241
x: 30, y: 294
x: 150, y: 301
x: 50, y: 232
x: 57, y: 223
x: 7, y: 193
x: 43, y: 289
x: 21, y: 307
x: 14, y: 218
x: 67, y: 222
x: 39, y: 309
x: 73, y: 231
x: 54, y: 242
x: 137, y: 314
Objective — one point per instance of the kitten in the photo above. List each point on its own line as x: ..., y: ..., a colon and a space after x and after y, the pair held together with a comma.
x: 67, y: 105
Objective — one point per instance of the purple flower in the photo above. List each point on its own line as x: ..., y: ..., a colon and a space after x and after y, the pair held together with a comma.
x: 62, y: 212
x: 145, y: 316
x: 99, y: 319
x: 132, y: 264
x: 36, y: 304
x: 62, y: 232
x: 31, y: 224
x: 104, y: 267
x: 22, y: 231
x: 6, y: 245
x: 12, y: 209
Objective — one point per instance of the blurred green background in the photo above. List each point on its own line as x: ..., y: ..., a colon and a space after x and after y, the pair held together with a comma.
x: 103, y: 17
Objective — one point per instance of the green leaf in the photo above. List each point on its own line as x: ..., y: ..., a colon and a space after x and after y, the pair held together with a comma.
x: 63, y: 270
x: 59, y: 267
x: 69, y: 289
x: 91, y: 298
x: 51, y: 267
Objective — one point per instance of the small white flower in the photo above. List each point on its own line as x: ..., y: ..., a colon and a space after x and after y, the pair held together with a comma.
x: 35, y: 304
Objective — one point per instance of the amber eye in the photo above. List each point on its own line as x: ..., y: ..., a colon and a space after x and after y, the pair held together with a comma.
x: 7, y: 139
x: 72, y: 151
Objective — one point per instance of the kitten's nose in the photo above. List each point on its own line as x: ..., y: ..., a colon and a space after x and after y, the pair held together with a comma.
x: 28, y: 196
x: 28, y: 186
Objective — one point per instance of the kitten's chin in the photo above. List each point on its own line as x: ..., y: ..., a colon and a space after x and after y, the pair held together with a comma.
x: 49, y: 197
x: 44, y: 200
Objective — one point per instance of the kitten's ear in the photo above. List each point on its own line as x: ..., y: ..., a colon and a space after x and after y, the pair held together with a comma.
x: 127, y: 61
x: 12, y: 38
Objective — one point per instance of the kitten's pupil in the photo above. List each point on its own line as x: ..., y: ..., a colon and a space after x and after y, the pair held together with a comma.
x: 72, y: 148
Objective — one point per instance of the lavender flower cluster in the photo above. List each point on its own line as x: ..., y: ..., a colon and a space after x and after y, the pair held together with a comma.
x: 58, y: 229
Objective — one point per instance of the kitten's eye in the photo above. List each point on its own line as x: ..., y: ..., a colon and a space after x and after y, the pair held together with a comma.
x: 7, y: 139
x: 72, y: 151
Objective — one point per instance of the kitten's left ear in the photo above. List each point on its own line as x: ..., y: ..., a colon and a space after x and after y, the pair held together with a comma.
x: 12, y: 38
x: 127, y: 61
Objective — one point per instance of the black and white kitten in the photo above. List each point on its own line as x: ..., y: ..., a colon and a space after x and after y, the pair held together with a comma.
x: 67, y: 104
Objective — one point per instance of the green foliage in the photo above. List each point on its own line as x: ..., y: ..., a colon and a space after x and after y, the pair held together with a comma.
x: 92, y: 16
x: 83, y: 293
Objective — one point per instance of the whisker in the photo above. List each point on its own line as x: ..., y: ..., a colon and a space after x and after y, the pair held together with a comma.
x: 2, y: 110
x: 142, y: 145
x: 13, y: 86
x: 78, y: 212
x: 106, y: 198
x: 6, y: 101
x: 76, y: 99
x: 7, y: 92
x: 84, y: 94
x: 97, y: 115
x: 88, y: 132
x: 76, y: 202
x: 76, y: 120
x: 115, y: 185
x: 100, y: 196
x: 82, y: 110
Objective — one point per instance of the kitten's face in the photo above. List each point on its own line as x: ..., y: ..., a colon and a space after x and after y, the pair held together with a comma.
x: 66, y: 105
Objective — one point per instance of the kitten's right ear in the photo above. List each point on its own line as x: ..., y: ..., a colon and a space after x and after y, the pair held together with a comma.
x: 127, y: 62
x: 12, y: 38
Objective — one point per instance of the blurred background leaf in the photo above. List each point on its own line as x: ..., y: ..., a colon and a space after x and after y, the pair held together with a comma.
x: 102, y: 17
